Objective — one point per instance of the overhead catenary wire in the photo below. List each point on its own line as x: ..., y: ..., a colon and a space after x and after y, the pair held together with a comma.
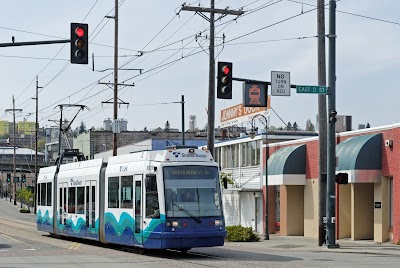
x: 167, y: 63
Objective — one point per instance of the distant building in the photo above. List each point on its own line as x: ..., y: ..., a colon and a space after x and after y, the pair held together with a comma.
x: 107, y: 124
x: 26, y: 127
x: 96, y: 141
x: 343, y: 123
x: 151, y: 144
x: 4, y: 127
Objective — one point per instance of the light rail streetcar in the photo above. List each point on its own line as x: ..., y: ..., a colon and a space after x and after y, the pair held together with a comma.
x: 167, y: 199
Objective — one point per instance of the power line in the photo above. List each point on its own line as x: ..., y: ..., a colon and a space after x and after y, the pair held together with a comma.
x: 271, y: 25
x: 350, y: 13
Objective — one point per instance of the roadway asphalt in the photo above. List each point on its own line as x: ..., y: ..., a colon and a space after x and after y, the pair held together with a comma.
x: 275, y: 242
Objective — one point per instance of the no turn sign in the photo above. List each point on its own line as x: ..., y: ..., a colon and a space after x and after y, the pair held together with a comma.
x: 280, y: 83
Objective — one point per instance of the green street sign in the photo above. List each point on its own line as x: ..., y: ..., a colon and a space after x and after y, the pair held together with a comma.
x: 312, y: 89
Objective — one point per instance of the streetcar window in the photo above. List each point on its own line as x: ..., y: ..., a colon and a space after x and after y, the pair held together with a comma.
x: 113, y: 187
x: 48, y: 193
x: 193, y: 188
x: 38, y: 195
x: 71, y: 200
x: 80, y: 198
x: 152, y: 207
x: 127, y: 191
x: 43, y: 194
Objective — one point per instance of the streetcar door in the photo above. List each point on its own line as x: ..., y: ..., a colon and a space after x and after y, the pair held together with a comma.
x: 90, y: 209
x: 63, y: 208
x: 138, y: 210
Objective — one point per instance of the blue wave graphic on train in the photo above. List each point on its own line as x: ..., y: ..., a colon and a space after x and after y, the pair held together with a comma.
x: 122, y: 231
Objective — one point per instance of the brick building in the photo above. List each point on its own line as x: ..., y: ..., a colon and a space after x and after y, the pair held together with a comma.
x: 368, y: 207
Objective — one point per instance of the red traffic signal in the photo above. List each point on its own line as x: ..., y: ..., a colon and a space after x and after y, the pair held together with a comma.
x: 226, y: 70
x: 79, y: 31
x: 79, y: 43
x: 224, y: 77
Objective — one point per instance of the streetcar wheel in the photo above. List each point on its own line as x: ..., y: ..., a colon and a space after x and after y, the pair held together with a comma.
x: 140, y: 251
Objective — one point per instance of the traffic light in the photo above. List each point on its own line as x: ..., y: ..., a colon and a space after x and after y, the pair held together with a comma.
x: 79, y: 43
x: 224, y: 85
x: 23, y: 178
x: 342, y: 178
x: 8, y: 177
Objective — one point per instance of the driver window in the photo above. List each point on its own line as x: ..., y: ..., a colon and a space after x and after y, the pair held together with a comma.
x: 152, y: 205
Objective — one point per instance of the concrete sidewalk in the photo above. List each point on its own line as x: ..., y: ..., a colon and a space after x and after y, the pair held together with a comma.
x: 297, y: 243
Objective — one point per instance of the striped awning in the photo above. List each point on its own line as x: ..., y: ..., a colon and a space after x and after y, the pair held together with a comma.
x: 287, y: 166
x: 361, y: 158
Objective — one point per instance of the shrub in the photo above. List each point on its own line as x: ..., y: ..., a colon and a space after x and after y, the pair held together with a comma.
x: 239, y: 233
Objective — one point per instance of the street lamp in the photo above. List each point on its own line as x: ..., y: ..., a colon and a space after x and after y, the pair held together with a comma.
x: 252, y: 134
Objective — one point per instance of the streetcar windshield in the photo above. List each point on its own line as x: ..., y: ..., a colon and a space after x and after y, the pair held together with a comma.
x: 192, y: 190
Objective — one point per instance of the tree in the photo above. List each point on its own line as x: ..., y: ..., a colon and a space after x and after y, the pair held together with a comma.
x: 167, y: 126
x: 309, y: 125
x: 41, y: 145
x: 82, y: 128
x: 289, y: 126
x: 192, y: 123
x: 145, y: 129
x: 295, y: 126
x: 205, y: 127
x: 368, y: 126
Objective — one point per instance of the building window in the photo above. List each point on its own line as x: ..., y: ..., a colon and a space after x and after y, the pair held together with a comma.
x: 113, y: 189
x: 243, y: 152
x: 217, y: 155
x: 252, y: 153
x: 235, y: 156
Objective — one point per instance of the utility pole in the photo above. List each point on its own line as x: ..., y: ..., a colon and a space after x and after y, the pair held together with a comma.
x: 59, y: 133
x: 81, y: 107
x: 115, y: 137
x: 322, y: 122
x: 211, y: 77
x: 183, y: 119
x: 331, y: 162
x: 36, y: 142
x: 14, y: 168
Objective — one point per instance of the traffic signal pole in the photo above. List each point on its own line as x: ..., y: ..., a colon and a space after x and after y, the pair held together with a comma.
x: 331, y: 156
x: 33, y: 43
x: 322, y: 123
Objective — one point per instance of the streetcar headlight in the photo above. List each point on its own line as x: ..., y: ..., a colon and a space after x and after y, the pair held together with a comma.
x: 168, y: 223
x: 175, y: 224
x: 218, y: 222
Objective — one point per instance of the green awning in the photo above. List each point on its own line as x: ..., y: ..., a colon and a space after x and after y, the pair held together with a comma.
x: 361, y: 158
x: 287, y: 166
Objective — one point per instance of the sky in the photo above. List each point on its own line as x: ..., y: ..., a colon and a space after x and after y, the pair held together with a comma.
x: 159, y: 38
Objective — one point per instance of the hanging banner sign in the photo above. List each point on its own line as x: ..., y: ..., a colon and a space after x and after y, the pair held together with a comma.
x: 240, y: 114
